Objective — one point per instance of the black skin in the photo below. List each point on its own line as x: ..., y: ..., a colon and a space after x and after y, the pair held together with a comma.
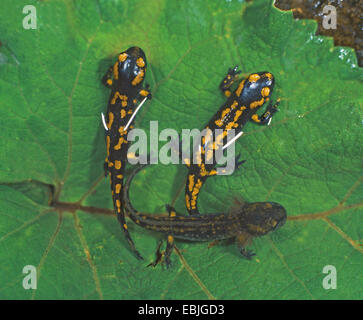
x: 125, y: 79
x: 245, y: 221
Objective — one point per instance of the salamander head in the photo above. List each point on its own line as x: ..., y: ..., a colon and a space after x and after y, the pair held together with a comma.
x: 131, y: 66
x: 259, y: 218
x: 256, y: 89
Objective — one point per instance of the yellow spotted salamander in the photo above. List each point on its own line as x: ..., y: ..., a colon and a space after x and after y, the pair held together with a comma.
x: 243, y: 222
x: 241, y: 106
x: 125, y: 79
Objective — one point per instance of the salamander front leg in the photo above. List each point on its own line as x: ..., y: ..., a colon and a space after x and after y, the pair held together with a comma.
x: 145, y: 92
x: 248, y: 254
x: 237, y: 164
x: 107, y: 78
x: 228, y: 80
x: 242, y: 239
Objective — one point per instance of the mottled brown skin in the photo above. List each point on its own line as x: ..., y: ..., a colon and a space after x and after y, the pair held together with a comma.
x: 245, y: 221
x: 125, y: 80
x: 241, y: 107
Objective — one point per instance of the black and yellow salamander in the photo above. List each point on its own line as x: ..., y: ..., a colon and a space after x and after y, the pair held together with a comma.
x: 245, y: 221
x: 125, y: 79
x: 241, y: 106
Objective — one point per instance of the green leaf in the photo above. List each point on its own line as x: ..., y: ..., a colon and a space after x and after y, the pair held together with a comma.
x: 309, y: 159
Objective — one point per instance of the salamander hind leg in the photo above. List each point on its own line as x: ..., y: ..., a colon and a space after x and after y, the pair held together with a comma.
x: 170, y: 242
x: 266, y: 117
x: 248, y: 254
x: 237, y: 164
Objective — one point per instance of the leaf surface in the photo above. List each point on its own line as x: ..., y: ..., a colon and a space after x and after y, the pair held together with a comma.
x: 309, y: 159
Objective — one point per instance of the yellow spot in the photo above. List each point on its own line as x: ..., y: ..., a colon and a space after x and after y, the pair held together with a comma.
x: 110, y: 120
x: 172, y: 214
x: 118, y: 164
x: 117, y: 94
x: 118, y: 145
x: 115, y: 70
x: 122, y: 97
x: 210, y: 154
x: 255, y: 118
x: 265, y: 91
x: 122, y: 131
x: 144, y: 93
x: 212, y: 172
x: 234, y: 104
x: 123, y: 113
x: 269, y: 75
x: 191, y: 182
x: 240, y: 87
x: 170, y: 239
x: 122, y: 57
x: 187, y: 162
x: 230, y: 125
x: 125, y: 226
x: 119, y: 176
x: 110, y: 164
x: 131, y: 155
x: 237, y: 115
x: 227, y: 93
x: 187, y: 201
x: 224, y: 113
x: 254, y: 77
x: 118, y: 188
x: 256, y: 104
x: 140, y: 62
x: 219, y: 122
x: 108, y: 146
x: 109, y: 82
x: 193, y: 202
x: 138, y: 78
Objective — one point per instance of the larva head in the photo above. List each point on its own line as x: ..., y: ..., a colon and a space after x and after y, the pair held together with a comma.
x: 259, y: 218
